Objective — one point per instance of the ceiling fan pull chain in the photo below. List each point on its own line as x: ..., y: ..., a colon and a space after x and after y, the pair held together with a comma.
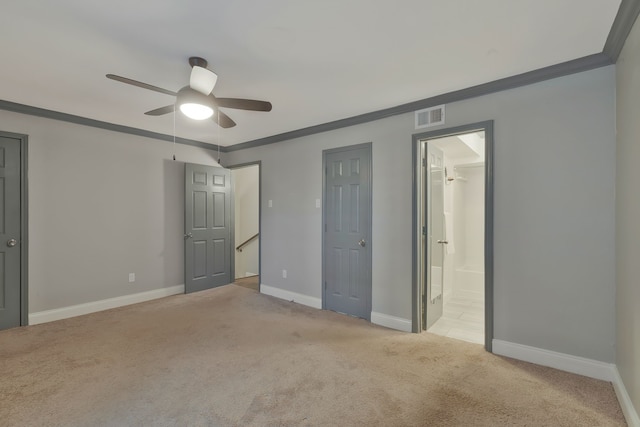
x: 218, y: 142
x: 174, y: 134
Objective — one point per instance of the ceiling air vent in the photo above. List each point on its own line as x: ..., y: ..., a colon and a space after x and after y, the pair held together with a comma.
x: 430, y: 117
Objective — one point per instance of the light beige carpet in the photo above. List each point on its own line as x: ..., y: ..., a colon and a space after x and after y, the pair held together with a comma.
x: 233, y: 357
x: 251, y: 282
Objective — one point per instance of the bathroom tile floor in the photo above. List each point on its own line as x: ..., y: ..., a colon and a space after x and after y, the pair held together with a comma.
x: 462, y: 318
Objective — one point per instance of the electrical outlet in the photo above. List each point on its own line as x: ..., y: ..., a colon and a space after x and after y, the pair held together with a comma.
x: 132, y: 277
x: 270, y: 203
x: 284, y: 274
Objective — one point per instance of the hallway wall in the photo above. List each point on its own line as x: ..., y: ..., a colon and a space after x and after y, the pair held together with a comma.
x: 627, y: 214
x: 246, y: 195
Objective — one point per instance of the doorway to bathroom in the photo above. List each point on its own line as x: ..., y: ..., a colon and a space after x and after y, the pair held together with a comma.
x: 453, y: 220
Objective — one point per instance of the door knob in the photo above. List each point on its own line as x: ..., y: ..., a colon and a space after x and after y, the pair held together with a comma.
x: 12, y: 242
x: 362, y: 243
x: 443, y: 242
x: 188, y: 236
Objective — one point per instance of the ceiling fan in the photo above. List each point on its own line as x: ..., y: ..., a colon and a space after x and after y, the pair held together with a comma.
x: 196, y: 100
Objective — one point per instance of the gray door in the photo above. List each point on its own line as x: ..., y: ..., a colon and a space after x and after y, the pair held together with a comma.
x: 10, y: 243
x: 347, y: 232
x: 207, y: 222
x: 436, y: 234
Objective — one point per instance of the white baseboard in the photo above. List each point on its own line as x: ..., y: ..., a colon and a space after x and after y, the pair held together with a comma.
x: 249, y: 274
x: 392, y: 322
x: 630, y: 413
x: 92, y: 307
x: 574, y: 364
x: 291, y: 296
x: 564, y: 362
x: 377, y: 318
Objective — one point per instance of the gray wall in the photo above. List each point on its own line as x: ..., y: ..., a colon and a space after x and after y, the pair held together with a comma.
x: 102, y: 205
x: 627, y: 214
x: 554, y: 211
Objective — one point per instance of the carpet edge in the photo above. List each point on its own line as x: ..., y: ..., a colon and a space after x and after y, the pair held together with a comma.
x: 553, y: 359
x: 576, y: 365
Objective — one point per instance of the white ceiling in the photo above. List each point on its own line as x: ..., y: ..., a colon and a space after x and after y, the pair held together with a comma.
x: 316, y: 61
x: 459, y: 147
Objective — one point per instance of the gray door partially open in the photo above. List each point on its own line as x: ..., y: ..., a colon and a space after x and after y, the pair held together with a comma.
x: 433, y: 302
x: 207, y: 227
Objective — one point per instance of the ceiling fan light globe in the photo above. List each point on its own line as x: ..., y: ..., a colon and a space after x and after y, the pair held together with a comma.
x: 194, y: 104
x: 202, y: 80
x: 196, y: 111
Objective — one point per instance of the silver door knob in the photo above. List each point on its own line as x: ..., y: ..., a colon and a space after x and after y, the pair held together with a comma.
x: 188, y: 236
x: 362, y: 243
x: 444, y: 242
x: 12, y: 242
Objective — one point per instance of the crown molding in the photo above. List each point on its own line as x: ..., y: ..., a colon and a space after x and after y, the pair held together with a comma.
x: 625, y: 19
x: 70, y: 118
x: 622, y: 25
x: 554, y: 71
x: 565, y: 68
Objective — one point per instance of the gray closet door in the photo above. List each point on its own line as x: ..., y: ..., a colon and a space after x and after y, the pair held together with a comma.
x: 347, y: 247
x: 10, y: 244
x: 207, y: 227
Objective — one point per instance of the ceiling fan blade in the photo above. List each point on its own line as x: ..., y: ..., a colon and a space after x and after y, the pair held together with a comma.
x: 243, y: 104
x: 162, y: 110
x: 140, y: 84
x: 223, y: 120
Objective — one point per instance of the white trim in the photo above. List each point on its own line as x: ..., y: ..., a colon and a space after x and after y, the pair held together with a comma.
x: 630, y: 413
x: 392, y: 322
x: 106, y: 304
x: 574, y: 364
x: 291, y: 296
x: 564, y: 362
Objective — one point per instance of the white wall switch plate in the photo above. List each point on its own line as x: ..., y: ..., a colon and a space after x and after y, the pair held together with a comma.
x: 132, y: 277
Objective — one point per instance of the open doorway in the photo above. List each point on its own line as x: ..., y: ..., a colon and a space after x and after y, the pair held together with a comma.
x: 453, y: 224
x: 246, y: 213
